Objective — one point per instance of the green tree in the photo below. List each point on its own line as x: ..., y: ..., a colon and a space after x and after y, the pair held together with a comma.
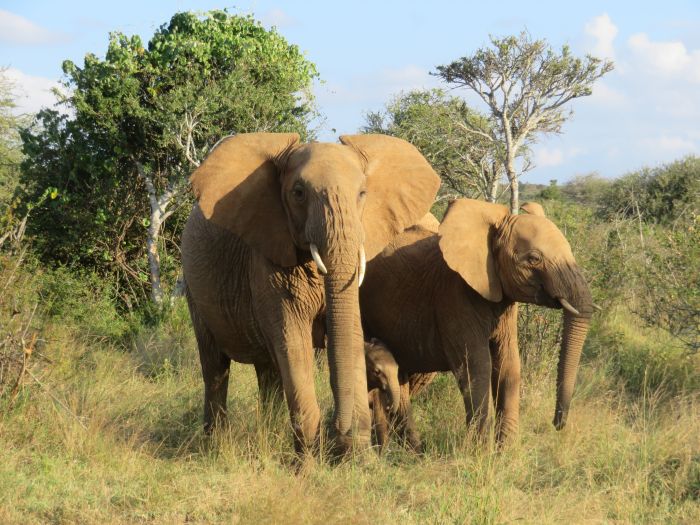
x: 10, y: 158
x: 551, y: 192
x: 140, y: 120
x: 663, y: 194
x: 526, y: 86
x: 440, y: 127
x: 585, y: 189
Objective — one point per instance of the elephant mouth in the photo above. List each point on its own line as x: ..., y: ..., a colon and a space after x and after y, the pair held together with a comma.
x: 542, y: 298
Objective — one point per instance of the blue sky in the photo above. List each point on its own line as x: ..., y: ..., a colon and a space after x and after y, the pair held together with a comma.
x: 644, y: 113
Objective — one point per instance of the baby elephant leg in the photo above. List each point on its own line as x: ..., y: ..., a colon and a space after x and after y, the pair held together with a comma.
x: 404, y: 423
x: 380, y: 423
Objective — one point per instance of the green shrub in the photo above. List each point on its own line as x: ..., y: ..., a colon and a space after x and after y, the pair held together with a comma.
x: 645, y: 358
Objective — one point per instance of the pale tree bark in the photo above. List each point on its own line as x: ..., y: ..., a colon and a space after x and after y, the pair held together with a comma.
x: 525, y: 85
x: 163, y: 205
x: 161, y: 209
x: 494, y: 183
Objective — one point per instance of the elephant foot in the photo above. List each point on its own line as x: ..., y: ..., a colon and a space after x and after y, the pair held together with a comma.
x: 413, y: 443
x: 349, y: 448
x: 304, y: 464
x: 215, y: 424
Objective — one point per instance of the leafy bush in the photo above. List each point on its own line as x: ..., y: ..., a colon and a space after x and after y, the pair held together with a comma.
x: 659, y: 195
x: 135, y: 125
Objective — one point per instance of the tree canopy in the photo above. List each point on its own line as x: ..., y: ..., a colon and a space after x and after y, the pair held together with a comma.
x: 440, y: 126
x: 526, y: 86
x: 135, y: 123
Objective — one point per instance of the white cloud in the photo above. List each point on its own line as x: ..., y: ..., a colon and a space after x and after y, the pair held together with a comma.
x: 32, y: 92
x: 666, y: 58
x: 408, y: 77
x: 606, y: 95
x: 546, y: 157
x: 378, y: 87
x: 601, y: 32
x: 15, y: 29
x: 278, y: 18
x: 672, y: 144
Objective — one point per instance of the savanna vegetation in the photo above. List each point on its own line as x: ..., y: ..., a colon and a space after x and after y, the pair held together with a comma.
x: 100, y: 388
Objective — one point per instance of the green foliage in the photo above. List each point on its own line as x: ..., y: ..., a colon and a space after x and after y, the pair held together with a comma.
x: 586, y: 190
x: 551, y: 192
x: 10, y: 153
x: 440, y: 127
x: 645, y: 358
x: 526, y: 85
x: 530, y: 77
x: 159, y: 108
x: 659, y: 195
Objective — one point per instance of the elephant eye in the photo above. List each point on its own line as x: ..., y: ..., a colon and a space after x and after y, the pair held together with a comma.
x: 534, y: 257
x: 299, y: 192
x: 361, y: 195
x: 377, y: 371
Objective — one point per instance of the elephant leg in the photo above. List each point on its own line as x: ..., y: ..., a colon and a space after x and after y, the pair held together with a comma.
x: 505, y: 385
x: 473, y: 374
x: 380, y: 424
x: 505, y: 376
x: 405, y: 425
x: 295, y: 357
x: 215, y: 372
x: 269, y: 384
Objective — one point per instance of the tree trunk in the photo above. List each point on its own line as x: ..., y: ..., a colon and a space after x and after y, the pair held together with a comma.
x: 513, y: 180
x: 493, y: 190
x: 159, y: 213
x: 512, y: 145
x: 514, y: 195
x: 154, y: 256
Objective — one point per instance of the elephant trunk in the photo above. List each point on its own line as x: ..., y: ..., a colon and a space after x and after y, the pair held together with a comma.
x: 342, y: 314
x: 577, y: 319
x: 339, y: 250
x: 394, y: 393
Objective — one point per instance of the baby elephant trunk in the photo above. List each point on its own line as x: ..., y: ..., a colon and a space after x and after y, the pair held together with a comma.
x: 394, y: 393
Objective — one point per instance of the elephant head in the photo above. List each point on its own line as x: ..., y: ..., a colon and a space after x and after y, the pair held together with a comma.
x: 383, y: 372
x: 339, y: 204
x: 521, y: 258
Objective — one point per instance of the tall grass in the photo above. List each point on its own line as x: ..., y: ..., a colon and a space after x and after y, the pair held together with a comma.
x: 105, y: 425
x: 125, y: 445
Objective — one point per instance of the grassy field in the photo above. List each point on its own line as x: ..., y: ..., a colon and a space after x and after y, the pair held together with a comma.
x: 107, y: 429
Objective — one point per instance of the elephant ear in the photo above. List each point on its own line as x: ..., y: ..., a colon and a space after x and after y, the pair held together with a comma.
x: 238, y: 188
x: 401, y: 187
x: 532, y: 208
x: 466, y: 241
x: 429, y: 222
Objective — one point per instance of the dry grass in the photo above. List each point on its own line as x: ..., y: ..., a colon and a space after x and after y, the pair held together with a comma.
x: 115, y: 437
x: 142, y: 457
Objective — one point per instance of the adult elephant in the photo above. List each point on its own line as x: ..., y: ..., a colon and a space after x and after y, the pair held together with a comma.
x: 276, y: 243
x: 445, y: 300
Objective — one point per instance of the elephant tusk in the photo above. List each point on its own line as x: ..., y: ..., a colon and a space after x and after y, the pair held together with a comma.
x: 567, y: 306
x: 317, y: 259
x: 363, y: 265
x: 599, y: 308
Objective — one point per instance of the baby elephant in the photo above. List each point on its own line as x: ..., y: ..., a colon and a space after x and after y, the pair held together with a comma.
x: 389, y: 394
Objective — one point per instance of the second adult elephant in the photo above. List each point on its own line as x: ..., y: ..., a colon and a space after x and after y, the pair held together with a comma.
x: 446, y: 301
x: 276, y: 245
